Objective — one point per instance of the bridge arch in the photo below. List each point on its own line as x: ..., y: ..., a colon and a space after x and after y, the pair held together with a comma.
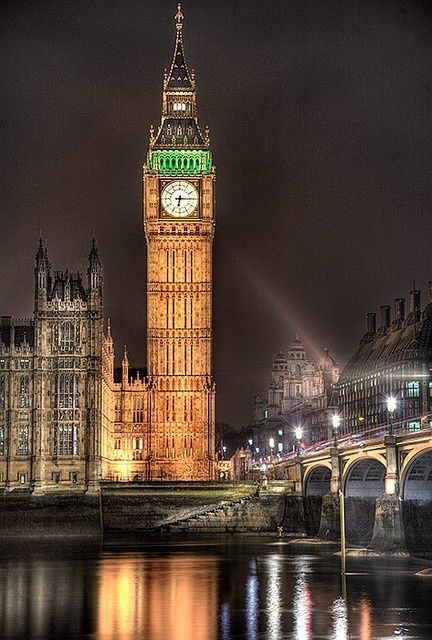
x: 364, y: 478
x: 317, y: 479
x: 416, y: 475
x: 363, y: 482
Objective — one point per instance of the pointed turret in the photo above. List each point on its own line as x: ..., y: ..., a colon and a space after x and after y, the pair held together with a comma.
x: 94, y: 272
x: 178, y: 78
x: 125, y: 368
x: 42, y: 273
x: 179, y: 127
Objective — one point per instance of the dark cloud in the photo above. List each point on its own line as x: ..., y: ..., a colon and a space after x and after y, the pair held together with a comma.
x: 320, y: 116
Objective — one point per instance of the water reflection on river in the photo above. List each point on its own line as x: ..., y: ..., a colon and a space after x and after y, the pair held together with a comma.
x: 207, y: 591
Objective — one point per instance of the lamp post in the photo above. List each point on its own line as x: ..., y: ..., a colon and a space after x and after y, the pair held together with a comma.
x: 271, y: 445
x: 391, y: 408
x: 336, y: 424
x: 298, y: 432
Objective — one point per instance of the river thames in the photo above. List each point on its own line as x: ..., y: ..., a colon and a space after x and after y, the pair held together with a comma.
x: 208, y: 590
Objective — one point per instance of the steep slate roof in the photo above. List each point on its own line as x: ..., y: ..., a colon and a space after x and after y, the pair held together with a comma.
x: 405, y: 342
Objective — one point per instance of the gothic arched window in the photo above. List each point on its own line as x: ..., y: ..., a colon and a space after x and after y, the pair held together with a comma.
x: 24, y: 395
x: 67, y: 337
x: 68, y: 391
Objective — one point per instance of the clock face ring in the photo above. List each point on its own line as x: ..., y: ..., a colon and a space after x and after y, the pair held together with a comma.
x: 179, y: 198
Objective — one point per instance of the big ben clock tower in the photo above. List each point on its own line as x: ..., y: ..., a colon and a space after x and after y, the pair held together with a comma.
x: 179, y: 221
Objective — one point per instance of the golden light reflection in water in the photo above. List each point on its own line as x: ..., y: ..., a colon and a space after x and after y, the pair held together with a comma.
x: 252, y: 601
x: 172, y: 597
x: 273, y: 597
x: 302, y: 601
x: 340, y: 620
x: 365, y: 619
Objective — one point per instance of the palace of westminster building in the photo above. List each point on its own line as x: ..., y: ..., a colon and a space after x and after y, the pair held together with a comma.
x: 69, y: 419
x: 66, y: 422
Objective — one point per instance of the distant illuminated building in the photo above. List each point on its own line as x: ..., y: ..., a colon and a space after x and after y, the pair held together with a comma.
x: 393, y: 359
x: 299, y: 395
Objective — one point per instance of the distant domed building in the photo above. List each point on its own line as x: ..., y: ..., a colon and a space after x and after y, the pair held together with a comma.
x: 300, y: 393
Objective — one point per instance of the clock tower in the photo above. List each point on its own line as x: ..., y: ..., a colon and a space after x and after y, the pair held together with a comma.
x: 179, y: 222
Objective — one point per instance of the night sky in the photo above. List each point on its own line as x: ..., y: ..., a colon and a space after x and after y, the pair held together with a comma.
x: 320, y: 122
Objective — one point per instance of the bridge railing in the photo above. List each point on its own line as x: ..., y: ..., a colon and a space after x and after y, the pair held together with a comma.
x: 411, y: 426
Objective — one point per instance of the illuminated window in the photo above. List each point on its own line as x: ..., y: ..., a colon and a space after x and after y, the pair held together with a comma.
x: 68, y: 391
x: 1, y: 441
x: 280, y: 447
x: 24, y: 392
x: 2, y: 391
x: 413, y: 389
x: 67, y: 337
x: 266, y: 413
x: 138, y: 411
x: 65, y: 439
x: 23, y: 440
x: 68, y: 439
x: 280, y: 432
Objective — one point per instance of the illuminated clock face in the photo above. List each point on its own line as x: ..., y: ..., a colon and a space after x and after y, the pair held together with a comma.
x: 179, y: 198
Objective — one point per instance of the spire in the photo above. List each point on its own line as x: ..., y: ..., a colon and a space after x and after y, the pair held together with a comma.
x: 125, y: 368
x: 40, y: 255
x: 94, y: 255
x: 178, y: 78
x: 94, y: 272
x: 179, y: 127
x: 42, y: 270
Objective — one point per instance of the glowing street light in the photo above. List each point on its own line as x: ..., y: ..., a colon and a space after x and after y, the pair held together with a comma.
x: 271, y: 445
x: 298, y: 432
x: 336, y: 424
x: 391, y: 408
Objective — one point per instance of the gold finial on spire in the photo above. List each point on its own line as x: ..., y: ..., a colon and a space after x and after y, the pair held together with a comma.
x: 179, y: 18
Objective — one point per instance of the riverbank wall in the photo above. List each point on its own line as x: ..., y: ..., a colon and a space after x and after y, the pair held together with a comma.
x: 138, y: 510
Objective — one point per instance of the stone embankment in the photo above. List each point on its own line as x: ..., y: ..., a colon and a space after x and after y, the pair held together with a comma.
x: 142, y: 510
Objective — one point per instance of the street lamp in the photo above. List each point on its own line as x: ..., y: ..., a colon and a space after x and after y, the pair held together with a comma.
x: 336, y: 424
x: 298, y: 431
x: 391, y: 408
x: 224, y: 452
x: 271, y: 445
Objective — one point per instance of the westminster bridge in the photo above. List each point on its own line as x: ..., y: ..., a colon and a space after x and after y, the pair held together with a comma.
x: 384, y: 482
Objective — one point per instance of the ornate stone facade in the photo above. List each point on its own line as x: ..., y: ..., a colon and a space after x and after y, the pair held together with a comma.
x: 50, y: 391
x: 299, y: 394
x: 66, y: 419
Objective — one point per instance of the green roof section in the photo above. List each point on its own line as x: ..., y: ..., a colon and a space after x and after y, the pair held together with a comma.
x: 187, y: 162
